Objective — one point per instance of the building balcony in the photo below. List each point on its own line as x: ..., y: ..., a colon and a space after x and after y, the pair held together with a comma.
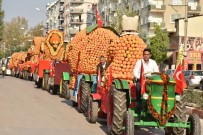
x: 77, y: 1
x: 195, y: 9
x: 61, y: 9
x: 156, y: 8
x: 73, y: 31
x: 76, y: 11
x: 76, y: 21
x: 61, y: 27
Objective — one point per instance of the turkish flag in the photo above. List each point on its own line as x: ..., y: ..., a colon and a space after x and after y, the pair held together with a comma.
x: 179, y: 78
x: 99, y: 20
x: 142, y: 79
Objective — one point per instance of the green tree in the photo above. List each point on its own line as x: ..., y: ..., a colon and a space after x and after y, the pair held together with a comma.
x: 37, y: 30
x: 14, y: 35
x: 2, y: 54
x: 1, y: 21
x: 159, y: 44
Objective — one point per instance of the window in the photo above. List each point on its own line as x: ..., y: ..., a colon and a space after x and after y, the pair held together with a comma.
x: 175, y: 16
x: 176, y: 2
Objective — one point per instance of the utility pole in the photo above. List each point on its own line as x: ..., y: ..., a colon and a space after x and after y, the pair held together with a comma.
x: 185, y: 31
x: 105, y: 1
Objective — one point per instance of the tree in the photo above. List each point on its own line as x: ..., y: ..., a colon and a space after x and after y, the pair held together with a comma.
x: 159, y: 45
x: 37, y: 30
x: 15, y: 33
x: 1, y: 21
x: 1, y: 29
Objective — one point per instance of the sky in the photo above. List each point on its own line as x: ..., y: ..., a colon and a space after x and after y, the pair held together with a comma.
x: 27, y: 9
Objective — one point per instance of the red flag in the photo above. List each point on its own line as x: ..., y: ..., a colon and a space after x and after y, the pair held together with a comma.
x: 110, y: 77
x: 99, y: 20
x: 179, y: 78
x: 142, y: 79
x: 99, y: 79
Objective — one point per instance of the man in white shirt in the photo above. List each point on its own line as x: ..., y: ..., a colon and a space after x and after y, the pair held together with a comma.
x: 149, y: 66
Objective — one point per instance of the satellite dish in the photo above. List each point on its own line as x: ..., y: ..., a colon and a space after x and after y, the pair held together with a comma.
x: 115, y: 14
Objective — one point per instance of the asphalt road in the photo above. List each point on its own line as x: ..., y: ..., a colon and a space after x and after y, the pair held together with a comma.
x: 26, y: 110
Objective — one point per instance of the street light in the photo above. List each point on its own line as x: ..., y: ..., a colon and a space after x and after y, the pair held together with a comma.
x: 38, y: 9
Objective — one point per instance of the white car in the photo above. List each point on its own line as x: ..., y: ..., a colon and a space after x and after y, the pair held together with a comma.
x: 6, y: 61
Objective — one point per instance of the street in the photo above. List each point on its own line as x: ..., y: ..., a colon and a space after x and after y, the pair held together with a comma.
x: 26, y: 110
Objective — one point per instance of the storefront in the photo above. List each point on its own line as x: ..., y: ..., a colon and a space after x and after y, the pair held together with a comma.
x: 193, y: 60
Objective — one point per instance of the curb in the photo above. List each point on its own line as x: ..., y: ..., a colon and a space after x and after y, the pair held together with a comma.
x: 191, y: 110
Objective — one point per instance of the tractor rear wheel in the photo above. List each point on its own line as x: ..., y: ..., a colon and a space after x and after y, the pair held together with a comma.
x: 128, y: 123
x: 39, y: 83
x: 45, y: 82
x: 180, y: 114
x: 117, y: 106
x: 93, y: 107
x: 195, y: 125
x: 54, y: 89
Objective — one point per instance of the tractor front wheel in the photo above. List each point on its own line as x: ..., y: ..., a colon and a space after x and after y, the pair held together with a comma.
x: 83, y: 95
x: 93, y: 107
x: 195, y: 125
x: 65, y: 92
x: 117, y: 107
x: 45, y: 82
x: 128, y: 123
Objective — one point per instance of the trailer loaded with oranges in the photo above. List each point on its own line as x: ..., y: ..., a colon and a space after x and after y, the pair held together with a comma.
x: 51, y: 62
x: 113, y: 97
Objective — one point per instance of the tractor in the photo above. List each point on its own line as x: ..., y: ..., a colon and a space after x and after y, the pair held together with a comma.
x: 78, y: 98
x: 52, y: 77
x: 160, y: 107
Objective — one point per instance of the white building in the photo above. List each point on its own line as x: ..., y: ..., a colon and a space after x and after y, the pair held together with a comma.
x: 78, y: 15
x: 55, y: 19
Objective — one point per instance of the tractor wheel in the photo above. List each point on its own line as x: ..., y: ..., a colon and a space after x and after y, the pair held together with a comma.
x: 117, y: 106
x: 45, y: 82
x: 54, y: 90
x: 31, y: 78
x: 26, y: 75
x: 83, y: 95
x: 195, y: 125
x: 65, y: 92
x: 39, y: 83
x: 128, y: 122
x: 201, y: 86
x: 93, y: 107
x: 180, y: 114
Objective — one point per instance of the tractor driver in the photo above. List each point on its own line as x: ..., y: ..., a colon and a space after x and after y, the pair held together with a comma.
x: 149, y: 66
x: 102, y: 65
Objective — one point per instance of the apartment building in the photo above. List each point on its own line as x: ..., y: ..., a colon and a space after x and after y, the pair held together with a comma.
x: 78, y: 15
x: 165, y: 12
x: 55, y: 18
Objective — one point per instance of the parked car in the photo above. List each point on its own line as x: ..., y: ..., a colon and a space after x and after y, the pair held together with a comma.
x: 170, y: 72
x: 193, y: 78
